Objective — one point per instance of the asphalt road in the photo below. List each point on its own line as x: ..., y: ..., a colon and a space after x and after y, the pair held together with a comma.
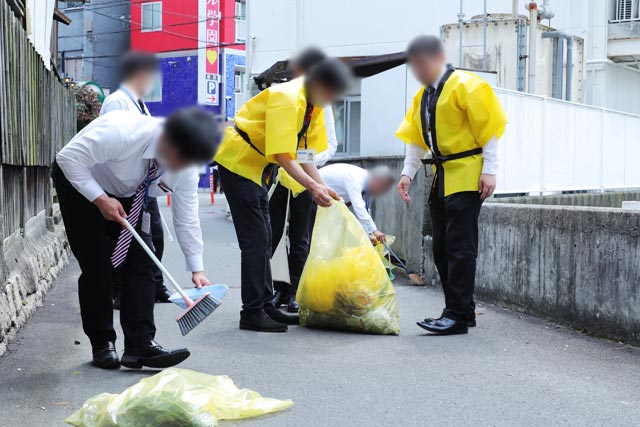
x: 510, y: 370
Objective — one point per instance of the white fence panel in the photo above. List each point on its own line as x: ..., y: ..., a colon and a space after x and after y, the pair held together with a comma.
x: 552, y: 145
x: 631, y: 159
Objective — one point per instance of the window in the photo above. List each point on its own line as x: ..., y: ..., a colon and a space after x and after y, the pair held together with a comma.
x: 347, y: 118
x: 74, y: 4
x: 152, y: 16
x: 238, y: 84
x: 241, y: 9
x: 156, y: 93
x: 241, y: 21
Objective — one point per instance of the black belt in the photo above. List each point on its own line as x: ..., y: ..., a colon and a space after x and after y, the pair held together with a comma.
x: 438, y: 161
x: 246, y: 138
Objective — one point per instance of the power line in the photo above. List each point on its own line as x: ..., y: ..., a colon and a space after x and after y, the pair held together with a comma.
x: 186, y: 49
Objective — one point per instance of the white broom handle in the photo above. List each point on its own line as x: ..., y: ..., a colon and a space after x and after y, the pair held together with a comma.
x: 157, y: 262
x: 166, y: 227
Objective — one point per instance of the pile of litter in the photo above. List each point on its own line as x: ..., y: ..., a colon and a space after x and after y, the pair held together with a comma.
x: 175, y: 397
x: 344, y: 284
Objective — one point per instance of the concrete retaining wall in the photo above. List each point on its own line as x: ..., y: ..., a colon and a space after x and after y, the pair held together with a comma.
x: 575, y: 265
x: 31, y: 262
x: 609, y: 199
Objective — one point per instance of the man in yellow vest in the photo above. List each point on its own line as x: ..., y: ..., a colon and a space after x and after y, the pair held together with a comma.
x: 283, y: 125
x: 457, y: 118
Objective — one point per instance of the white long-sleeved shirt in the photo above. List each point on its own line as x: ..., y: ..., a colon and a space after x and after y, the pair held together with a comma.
x: 350, y: 182
x: 122, y: 99
x: 111, y: 155
x: 415, y: 153
x: 330, y: 123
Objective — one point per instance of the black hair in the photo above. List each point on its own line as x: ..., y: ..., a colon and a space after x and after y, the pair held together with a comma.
x: 307, y: 58
x: 425, y: 45
x: 195, y: 132
x: 332, y: 74
x: 134, y: 61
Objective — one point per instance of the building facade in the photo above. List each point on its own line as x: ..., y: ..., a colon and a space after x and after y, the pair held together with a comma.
x: 606, y: 48
x: 201, y: 45
x: 90, y: 47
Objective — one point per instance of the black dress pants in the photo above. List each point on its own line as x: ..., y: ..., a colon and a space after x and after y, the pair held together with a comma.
x: 92, y: 239
x: 455, y: 248
x: 299, y: 218
x: 249, y: 204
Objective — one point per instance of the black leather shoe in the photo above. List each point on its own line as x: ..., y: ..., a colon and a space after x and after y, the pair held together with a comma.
x: 293, y: 306
x: 444, y: 326
x: 106, y: 357
x: 278, y: 316
x: 162, y: 294
x: 153, y: 355
x: 116, y: 303
x: 261, y: 322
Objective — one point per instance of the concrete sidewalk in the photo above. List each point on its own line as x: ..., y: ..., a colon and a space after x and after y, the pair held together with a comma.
x: 510, y: 370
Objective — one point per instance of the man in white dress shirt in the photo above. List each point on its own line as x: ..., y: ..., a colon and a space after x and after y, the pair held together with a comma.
x: 301, y: 206
x: 107, y: 173
x: 357, y: 187
x: 139, y: 71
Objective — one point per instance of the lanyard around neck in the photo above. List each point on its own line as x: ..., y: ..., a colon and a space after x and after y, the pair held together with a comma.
x: 130, y: 96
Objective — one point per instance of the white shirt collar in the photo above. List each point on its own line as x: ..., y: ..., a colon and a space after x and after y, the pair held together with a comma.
x: 440, y: 77
x: 133, y: 93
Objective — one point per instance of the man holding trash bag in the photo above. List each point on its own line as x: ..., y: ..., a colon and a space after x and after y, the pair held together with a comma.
x: 458, y: 119
x: 103, y: 177
x: 283, y: 125
x: 289, y: 195
x: 138, y: 71
x: 357, y: 187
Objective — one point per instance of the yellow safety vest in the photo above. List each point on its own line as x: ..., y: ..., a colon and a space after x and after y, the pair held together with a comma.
x: 468, y: 115
x: 271, y: 121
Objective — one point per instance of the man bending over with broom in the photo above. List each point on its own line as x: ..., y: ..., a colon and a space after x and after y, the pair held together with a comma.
x: 104, y: 177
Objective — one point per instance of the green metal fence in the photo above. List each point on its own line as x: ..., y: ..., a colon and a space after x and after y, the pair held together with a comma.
x: 37, y: 116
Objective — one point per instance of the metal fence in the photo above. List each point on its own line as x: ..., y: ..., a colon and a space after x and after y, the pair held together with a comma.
x: 553, y: 145
x: 37, y: 116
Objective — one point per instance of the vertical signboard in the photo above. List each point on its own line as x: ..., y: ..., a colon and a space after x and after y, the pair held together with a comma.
x: 208, y: 52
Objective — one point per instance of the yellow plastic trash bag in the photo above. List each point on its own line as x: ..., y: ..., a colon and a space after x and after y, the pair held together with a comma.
x: 175, y: 397
x: 344, y: 284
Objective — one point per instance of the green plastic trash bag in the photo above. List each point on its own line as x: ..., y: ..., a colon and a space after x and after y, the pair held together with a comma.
x: 175, y: 397
x: 344, y: 284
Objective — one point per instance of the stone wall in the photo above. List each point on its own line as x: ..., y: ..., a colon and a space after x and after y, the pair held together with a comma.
x: 607, y: 199
x: 31, y: 263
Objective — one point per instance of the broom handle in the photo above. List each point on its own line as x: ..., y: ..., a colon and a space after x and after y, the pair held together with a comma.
x: 157, y: 262
x: 404, y: 266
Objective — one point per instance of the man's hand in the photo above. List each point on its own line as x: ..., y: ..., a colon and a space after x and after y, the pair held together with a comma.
x: 378, y: 236
x: 486, y: 185
x: 323, y: 195
x: 110, y: 208
x: 199, y: 279
x: 403, y: 188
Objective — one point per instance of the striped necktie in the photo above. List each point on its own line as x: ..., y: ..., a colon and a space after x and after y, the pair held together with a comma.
x: 124, y: 240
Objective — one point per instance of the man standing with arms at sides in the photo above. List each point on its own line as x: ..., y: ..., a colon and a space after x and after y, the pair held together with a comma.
x: 281, y: 125
x: 139, y: 71
x: 301, y: 205
x: 457, y: 118
x: 104, y: 177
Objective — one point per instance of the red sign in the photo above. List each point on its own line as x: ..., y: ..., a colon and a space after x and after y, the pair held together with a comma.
x: 212, y: 36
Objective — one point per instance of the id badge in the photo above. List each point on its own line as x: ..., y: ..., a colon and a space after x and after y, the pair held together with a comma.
x: 145, y: 227
x: 306, y: 156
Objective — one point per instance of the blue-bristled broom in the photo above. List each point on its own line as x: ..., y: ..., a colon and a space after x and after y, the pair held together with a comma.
x: 196, y: 311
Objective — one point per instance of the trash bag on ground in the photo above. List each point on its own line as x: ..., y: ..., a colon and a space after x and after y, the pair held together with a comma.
x: 175, y: 397
x: 344, y: 284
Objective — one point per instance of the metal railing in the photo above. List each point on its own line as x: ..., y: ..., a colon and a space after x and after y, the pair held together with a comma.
x: 626, y: 11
